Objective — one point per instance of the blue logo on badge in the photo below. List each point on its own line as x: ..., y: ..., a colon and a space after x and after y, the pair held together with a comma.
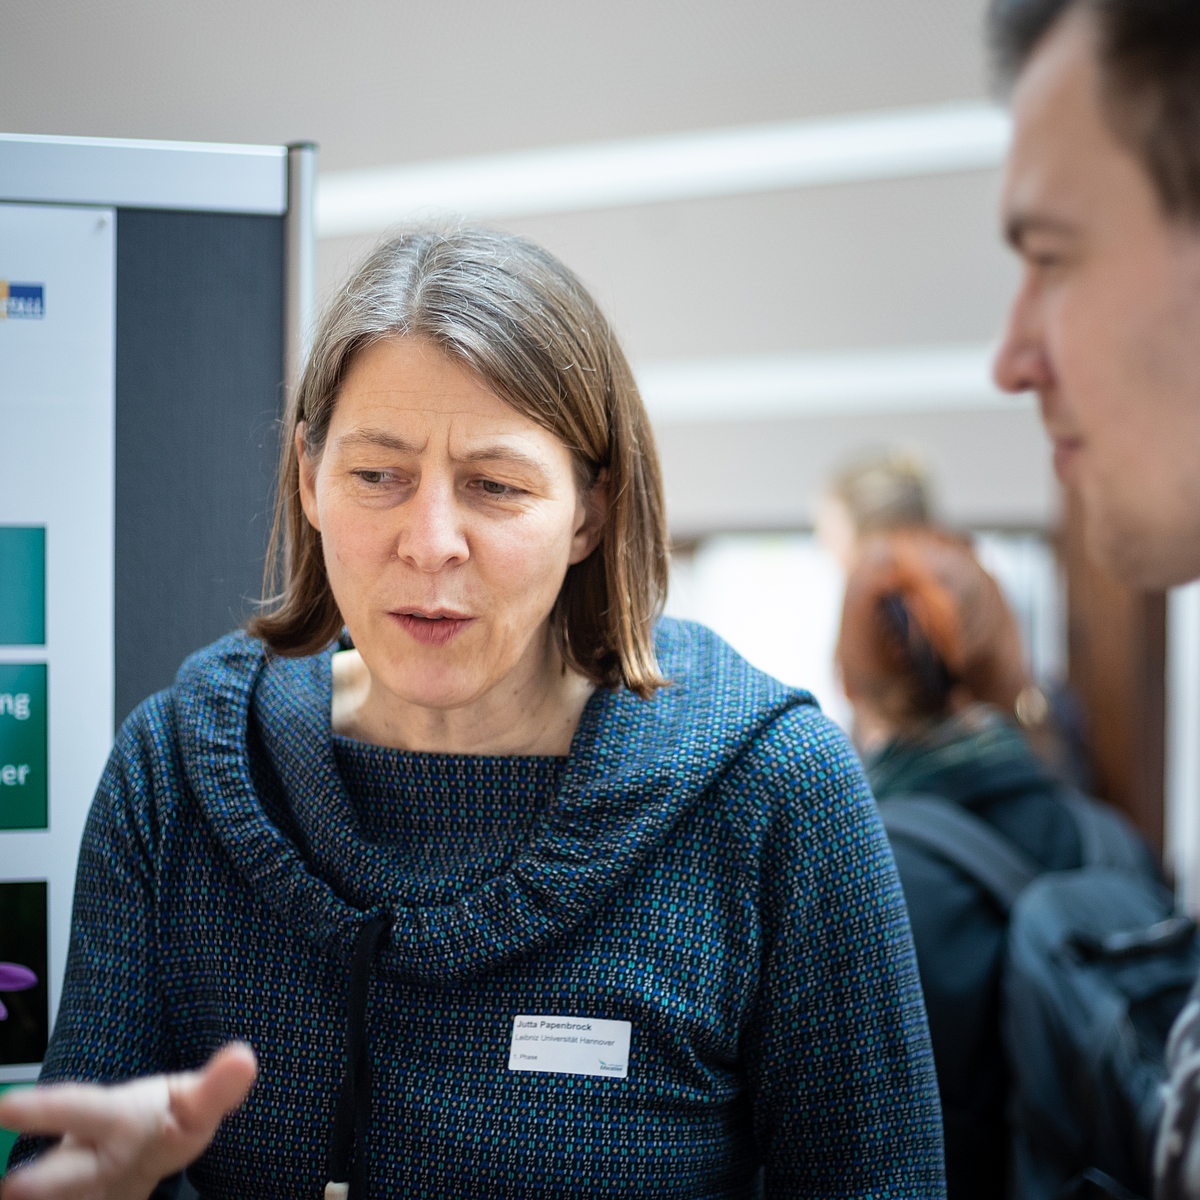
x: 22, y: 301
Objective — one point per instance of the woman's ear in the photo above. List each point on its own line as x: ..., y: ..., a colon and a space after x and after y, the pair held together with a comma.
x: 308, y: 478
x: 590, y: 516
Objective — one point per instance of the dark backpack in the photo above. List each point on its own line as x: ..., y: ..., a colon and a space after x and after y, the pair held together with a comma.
x: 1098, y: 965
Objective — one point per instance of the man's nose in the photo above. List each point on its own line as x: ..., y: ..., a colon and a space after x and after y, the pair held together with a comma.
x: 1021, y: 364
x: 433, y: 535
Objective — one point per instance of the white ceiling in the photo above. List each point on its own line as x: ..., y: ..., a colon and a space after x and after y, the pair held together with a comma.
x: 379, y: 82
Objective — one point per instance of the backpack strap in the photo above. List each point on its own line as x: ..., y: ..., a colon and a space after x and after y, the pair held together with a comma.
x: 965, y: 841
x: 1105, y: 840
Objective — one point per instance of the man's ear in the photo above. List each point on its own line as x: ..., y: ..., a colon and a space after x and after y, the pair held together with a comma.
x: 308, y: 478
x: 591, y: 514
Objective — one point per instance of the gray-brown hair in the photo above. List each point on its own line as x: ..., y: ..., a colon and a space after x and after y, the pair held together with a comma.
x: 524, y: 323
x: 884, y: 491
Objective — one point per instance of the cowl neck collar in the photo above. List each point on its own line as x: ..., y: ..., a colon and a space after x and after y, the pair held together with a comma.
x: 635, y: 769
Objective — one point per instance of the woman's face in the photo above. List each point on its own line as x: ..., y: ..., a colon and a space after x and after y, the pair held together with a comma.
x: 448, y: 521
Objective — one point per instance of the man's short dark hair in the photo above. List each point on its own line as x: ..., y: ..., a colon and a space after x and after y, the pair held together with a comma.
x: 1149, y: 52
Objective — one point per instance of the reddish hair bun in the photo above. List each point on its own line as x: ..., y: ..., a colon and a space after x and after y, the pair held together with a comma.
x: 925, y: 629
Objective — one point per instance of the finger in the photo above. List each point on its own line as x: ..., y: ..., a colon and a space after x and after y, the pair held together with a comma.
x: 200, y: 1099
x: 64, y: 1173
x: 84, y: 1109
x: 6, y: 1101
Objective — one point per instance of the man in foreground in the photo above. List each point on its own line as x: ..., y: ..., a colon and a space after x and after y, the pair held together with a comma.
x: 1102, y: 204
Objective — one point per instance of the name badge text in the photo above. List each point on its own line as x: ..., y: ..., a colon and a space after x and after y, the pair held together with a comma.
x: 570, y: 1046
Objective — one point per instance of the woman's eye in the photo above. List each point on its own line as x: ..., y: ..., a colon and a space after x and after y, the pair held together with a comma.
x: 372, y: 476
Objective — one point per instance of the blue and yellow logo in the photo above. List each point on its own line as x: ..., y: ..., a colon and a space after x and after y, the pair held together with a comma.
x: 22, y: 301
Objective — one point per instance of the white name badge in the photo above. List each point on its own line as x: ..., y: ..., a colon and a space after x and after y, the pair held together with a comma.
x: 570, y: 1046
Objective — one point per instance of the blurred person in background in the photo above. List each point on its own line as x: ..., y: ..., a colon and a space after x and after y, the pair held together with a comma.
x: 931, y: 659
x: 872, y: 494
x: 1101, y: 201
x: 882, y: 492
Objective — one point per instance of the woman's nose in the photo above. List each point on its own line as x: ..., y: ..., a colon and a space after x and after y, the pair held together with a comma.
x: 433, y: 535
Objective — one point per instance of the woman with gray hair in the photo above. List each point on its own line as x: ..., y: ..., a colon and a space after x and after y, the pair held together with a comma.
x: 512, y: 887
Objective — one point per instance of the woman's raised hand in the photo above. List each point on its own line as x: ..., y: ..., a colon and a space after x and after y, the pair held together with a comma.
x: 120, y: 1140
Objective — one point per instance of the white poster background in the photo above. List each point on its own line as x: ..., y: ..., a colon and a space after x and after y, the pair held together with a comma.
x: 57, y: 469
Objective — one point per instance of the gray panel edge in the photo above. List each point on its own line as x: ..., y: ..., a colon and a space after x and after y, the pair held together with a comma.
x: 300, y: 261
x: 195, y: 177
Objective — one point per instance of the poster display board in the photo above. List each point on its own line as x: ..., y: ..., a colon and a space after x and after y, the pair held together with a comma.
x: 154, y: 299
x: 57, y: 411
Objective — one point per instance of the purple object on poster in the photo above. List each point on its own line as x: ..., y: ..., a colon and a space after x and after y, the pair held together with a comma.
x: 14, y: 978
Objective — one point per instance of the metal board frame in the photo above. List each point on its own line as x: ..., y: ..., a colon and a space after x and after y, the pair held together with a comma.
x: 123, y: 173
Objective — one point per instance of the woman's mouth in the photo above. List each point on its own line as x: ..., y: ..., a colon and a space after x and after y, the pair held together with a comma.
x: 431, y: 627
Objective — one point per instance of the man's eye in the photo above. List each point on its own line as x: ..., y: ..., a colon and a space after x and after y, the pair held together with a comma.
x: 1044, y: 258
x: 492, y: 488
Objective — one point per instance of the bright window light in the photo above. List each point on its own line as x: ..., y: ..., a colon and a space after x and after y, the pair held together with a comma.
x: 777, y: 600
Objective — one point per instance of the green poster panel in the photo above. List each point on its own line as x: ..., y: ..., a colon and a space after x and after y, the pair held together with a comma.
x: 22, y: 585
x: 23, y: 769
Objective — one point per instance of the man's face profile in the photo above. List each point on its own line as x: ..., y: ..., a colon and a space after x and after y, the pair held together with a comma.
x: 1106, y: 324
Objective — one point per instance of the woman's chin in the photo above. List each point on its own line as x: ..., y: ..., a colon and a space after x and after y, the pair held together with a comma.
x: 438, y: 690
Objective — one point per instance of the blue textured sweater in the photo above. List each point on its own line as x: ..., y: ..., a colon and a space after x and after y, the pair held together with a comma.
x: 707, y: 866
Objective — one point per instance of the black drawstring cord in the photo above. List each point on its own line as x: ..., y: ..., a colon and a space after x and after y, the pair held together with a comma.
x: 353, y: 1117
